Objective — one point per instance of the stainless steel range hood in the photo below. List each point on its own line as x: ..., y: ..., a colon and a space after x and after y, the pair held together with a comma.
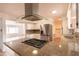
x: 31, y: 12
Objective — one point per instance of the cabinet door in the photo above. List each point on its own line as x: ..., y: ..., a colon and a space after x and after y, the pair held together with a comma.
x: 1, y: 35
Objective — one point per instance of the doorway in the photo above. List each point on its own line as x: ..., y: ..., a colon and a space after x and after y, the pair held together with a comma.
x: 57, y: 30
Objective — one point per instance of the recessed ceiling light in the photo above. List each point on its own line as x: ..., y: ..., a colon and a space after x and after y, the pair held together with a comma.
x: 54, y: 12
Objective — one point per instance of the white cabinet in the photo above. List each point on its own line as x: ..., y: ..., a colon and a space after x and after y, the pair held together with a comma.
x: 33, y: 26
x: 32, y: 30
x: 1, y: 34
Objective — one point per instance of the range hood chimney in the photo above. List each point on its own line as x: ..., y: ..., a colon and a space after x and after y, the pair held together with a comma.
x: 31, y: 12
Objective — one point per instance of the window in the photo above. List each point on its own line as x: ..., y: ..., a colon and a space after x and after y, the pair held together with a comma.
x: 14, y: 28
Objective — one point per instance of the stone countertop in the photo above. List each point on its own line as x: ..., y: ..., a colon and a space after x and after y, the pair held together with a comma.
x: 50, y: 49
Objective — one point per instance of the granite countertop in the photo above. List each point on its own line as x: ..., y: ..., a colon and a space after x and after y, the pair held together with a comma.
x: 48, y: 50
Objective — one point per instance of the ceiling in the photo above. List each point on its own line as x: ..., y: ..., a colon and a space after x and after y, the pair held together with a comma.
x: 12, y: 9
x: 45, y: 9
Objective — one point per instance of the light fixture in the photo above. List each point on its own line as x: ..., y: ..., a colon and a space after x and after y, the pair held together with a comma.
x: 10, y: 42
x: 54, y: 12
x: 35, y: 51
x: 59, y: 46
